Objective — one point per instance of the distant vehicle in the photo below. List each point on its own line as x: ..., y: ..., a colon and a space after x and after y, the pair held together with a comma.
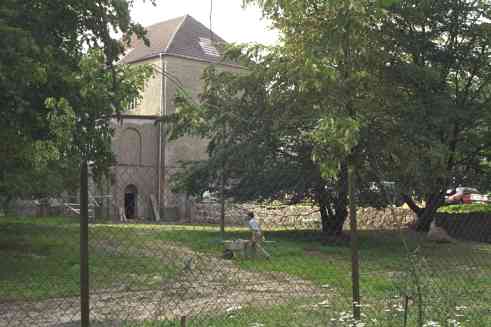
x: 384, y: 193
x: 465, y: 195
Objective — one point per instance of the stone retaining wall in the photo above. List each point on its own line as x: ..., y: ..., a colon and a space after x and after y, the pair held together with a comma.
x: 299, y: 216
x: 472, y: 226
x: 388, y: 218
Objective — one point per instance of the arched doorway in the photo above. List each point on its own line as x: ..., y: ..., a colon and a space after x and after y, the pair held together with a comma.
x: 130, y: 201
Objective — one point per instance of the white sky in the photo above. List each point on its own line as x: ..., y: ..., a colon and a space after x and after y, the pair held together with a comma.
x: 229, y: 20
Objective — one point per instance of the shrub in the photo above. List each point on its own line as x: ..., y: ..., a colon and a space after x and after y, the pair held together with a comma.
x: 466, y: 208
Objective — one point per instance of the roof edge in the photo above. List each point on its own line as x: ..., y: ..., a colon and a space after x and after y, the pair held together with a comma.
x: 156, y: 55
x: 174, y: 34
x: 142, y: 117
x: 164, y: 21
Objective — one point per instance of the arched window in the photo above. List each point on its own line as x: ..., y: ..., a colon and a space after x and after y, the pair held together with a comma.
x: 130, y: 147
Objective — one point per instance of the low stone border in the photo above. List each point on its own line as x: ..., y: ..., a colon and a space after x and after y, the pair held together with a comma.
x: 468, y: 226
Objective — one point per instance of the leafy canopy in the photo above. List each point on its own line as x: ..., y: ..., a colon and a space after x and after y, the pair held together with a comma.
x: 59, y: 85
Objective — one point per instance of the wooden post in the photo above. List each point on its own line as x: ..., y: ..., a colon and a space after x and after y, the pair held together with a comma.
x: 84, y: 245
x: 406, y: 309
x: 355, y: 263
x: 222, y: 206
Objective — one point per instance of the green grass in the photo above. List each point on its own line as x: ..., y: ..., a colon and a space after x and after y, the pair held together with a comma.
x: 280, y: 315
x: 40, y: 260
x: 301, y: 254
x: 307, y: 313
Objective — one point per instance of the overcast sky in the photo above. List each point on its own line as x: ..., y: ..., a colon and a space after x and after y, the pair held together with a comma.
x: 229, y: 20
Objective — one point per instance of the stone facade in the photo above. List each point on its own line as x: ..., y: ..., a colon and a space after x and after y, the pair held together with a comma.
x: 136, y: 147
x: 146, y: 160
x: 189, y: 73
x: 150, y: 104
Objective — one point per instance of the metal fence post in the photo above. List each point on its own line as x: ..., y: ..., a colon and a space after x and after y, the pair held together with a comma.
x: 84, y: 245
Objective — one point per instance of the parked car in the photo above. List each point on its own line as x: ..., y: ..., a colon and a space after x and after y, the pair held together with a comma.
x: 465, y: 195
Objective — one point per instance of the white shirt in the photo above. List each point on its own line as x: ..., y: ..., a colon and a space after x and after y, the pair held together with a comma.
x: 254, y: 225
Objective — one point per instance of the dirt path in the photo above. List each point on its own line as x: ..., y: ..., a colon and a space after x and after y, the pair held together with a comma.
x: 206, y: 286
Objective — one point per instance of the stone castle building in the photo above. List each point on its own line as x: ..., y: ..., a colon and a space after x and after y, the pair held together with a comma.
x: 180, y: 49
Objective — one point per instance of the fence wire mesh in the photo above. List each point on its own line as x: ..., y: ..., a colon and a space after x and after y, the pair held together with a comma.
x: 180, y: 272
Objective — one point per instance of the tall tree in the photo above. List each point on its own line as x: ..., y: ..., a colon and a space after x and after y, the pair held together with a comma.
x: 58, y: 96
x: 296, y: 115
x: 440, y: 67
x: 260, y: 126
x: 434, y: 81
x: 334, y: 42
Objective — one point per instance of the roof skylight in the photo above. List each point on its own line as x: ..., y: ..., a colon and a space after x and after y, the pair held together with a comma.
x: 208, y: 47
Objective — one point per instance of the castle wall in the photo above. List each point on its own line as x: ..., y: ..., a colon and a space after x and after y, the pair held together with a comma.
x: 149, y: 105
x: 135, y: 144
x: 136, y: 140
x: 189, y: 73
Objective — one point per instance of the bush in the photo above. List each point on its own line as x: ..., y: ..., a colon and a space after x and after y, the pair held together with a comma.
x: 466, y: 208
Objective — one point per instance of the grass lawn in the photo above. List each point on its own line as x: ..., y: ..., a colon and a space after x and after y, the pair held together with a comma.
x: 40, y: 260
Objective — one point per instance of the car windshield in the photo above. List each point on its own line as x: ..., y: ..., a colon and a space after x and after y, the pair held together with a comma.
x: 467, y: 190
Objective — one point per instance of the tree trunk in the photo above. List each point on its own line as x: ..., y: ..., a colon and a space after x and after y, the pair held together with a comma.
x: 332, y: 224
x: 411, y: 204
x: 6, y: 205
x: 424, y: 216
x: 332, y: 221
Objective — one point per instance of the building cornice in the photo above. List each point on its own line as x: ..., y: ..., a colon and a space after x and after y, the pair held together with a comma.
x: 156, y: 55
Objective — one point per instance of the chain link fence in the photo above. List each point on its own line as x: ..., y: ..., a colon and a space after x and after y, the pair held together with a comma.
x: 178, y: 271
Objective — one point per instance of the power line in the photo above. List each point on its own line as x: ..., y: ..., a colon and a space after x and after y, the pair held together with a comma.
x: 211, y: 19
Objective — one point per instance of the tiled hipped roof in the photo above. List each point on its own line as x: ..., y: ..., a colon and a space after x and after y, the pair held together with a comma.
x: 182, y: 36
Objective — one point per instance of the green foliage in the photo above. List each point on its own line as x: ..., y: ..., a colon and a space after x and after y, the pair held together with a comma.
x: 102, y: 95
x: 439, y: 71
x: 414, y: 75
x: 466, y: 208
x: 398, y: 88
x: 335, y: 138
x: 256, y: 131
x: 60, y: 87
x: 285, y: 128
